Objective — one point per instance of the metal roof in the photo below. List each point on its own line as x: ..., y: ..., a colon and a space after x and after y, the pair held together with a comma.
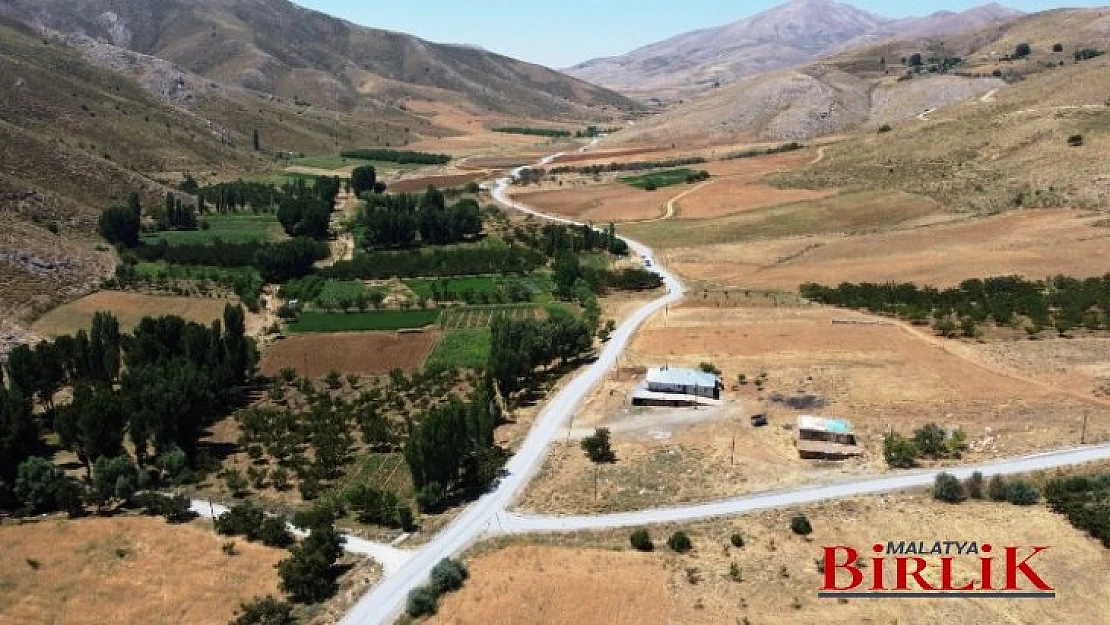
x: 681, y: 377
x: 821, y: 424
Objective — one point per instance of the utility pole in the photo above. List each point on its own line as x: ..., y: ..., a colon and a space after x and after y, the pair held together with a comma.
x: 1083, y: 436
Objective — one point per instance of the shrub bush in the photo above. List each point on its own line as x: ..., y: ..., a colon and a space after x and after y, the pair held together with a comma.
x: 997, y: 489
x: 422, y: 602
x: 1075, y: 141
x: 679, y: 542
x: 1022, y: 493
x: 948, y: 489
x: 974, y: 486
x: 641, y: 540
x: 447, y: 575
x: 737, y: 540
x: 885, y: 128
x: 801, y: 526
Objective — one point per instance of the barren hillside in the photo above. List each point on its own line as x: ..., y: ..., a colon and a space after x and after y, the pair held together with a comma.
x: 279, y: 48
x: 790, y: 35
x: 881, y: 84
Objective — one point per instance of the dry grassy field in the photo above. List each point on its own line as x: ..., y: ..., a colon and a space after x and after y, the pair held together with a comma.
x: 846, y: 213
x: 129, y: 308
x: 539, y: 579
x: 600, y: 203
x: 1035, y: 243
x: 367, y: 353
x: 877, y: 375
x: 127, y: 571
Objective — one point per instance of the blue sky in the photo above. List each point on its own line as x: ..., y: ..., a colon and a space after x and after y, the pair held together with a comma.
x: 560, y: 33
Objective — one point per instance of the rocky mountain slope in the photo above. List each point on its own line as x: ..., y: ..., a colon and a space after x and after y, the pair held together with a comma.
x: 870, y: 86
x: 790, y: 35
x: 279, y: 48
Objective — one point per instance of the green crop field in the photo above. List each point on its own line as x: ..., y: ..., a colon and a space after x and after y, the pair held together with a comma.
x: 477, y: 284
x: 231, y: 227
x: 313, y: 321
x: 462, y: 349
x: 660, y: 179
x: 335, y: 161
x: 194, y: 272
x: 477, y: 317
x: 385, y: 471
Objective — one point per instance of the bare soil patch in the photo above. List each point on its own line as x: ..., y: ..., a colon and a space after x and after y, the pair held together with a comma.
x: 127, y: 570
x: 725, y: 197
x: 367, y: 353
x: 606, y: 202
x: 129, y: 308
x: 877, y: 374
x: 412, y: 185
x: 777, y: 577
x: 1030, y: 243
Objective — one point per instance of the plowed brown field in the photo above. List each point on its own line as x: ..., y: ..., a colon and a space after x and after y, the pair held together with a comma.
x: 368, y: 353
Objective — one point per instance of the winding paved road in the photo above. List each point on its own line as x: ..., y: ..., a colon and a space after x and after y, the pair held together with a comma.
x: 386, y: 600
x: 488, y: 516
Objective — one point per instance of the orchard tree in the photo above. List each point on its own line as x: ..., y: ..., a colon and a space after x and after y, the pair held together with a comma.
x: 363, y: 179
x: 119, y: 225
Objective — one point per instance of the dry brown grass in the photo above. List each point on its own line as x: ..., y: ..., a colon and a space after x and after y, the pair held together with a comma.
x: 367, y: 353
x: 523, y: 583
x: 539, y: 584
x: 1031, y: 243
x: 127, y: 570
x: 129, y: 308
x: 879, y: 376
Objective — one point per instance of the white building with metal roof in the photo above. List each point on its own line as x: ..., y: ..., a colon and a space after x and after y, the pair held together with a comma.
x: 677, y: 386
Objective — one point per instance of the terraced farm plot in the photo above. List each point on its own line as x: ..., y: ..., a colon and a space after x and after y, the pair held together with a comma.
x: 482, y: 316
x: 127, y: 571
x: 129, y: 308
x: 366, y: 353
x: 314, y: 321
x: 232, y: 228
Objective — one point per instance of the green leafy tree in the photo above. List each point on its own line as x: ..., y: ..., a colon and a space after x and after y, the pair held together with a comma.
x: 598, y: 447
x: 898, y: 451
x: 363, y: 179
x: 114, y: 479
x: 119, y: 225
x: 38, y: 483
x: 930, y: 441
x: 19, y: 435
x: 92, y: 425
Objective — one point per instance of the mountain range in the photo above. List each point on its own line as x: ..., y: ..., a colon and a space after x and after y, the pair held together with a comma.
x: 277, y: 47
x: 789, y: 35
